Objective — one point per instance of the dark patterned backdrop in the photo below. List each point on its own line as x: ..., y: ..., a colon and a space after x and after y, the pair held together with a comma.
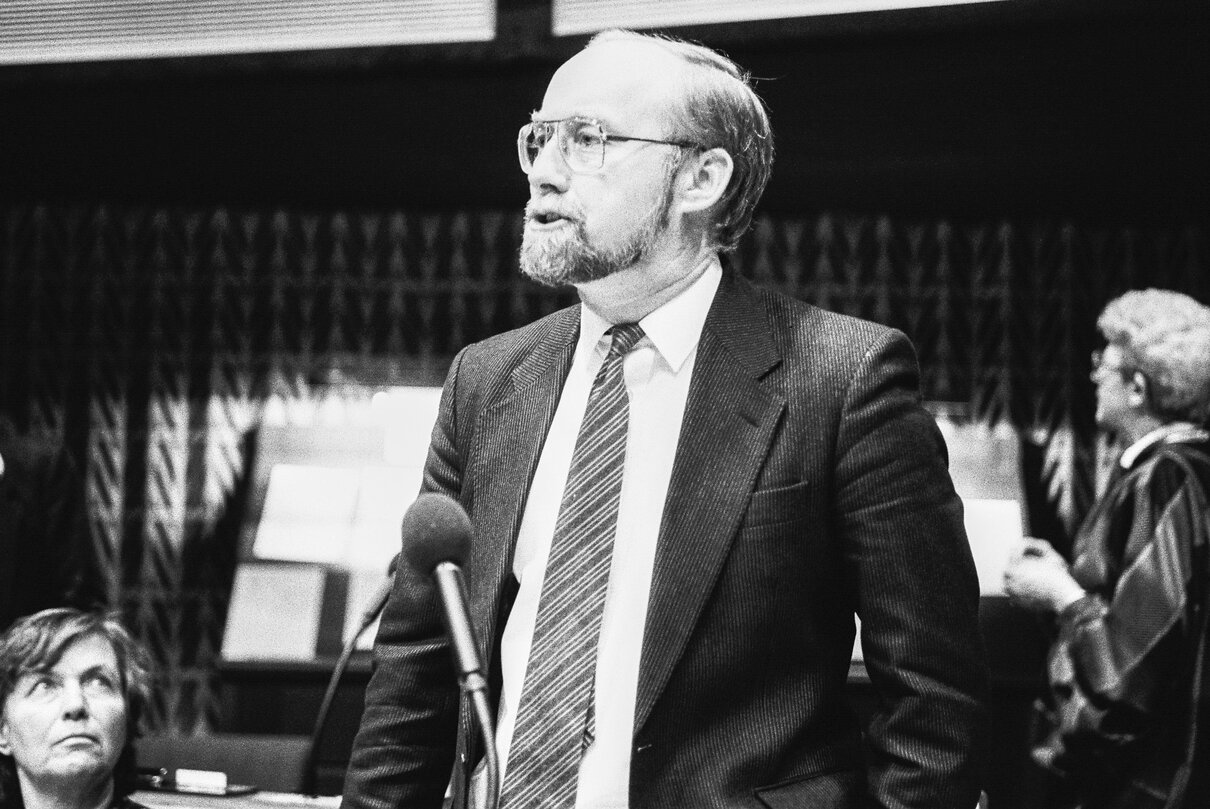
x: 152, y: 340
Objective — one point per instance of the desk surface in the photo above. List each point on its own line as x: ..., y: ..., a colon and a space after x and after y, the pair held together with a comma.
x: 257, y: 800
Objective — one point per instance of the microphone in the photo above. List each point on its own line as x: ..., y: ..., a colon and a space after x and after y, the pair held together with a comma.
x: 436, y: 539
x: 310, y: 769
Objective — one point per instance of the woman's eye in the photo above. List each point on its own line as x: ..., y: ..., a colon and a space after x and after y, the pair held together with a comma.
x: 41, y: 687
x: 99, y: 682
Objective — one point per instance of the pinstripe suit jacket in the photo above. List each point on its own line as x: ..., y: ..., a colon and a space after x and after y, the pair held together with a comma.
x: 808, y: 486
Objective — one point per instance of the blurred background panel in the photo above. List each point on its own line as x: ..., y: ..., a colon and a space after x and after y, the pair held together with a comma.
x: 589, y: 16
x: 51, y: 31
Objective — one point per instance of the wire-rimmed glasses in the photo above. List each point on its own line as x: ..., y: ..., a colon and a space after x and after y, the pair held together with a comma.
x: 582, y: 142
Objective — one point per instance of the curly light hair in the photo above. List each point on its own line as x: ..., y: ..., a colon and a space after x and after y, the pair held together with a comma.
x: 719, y: 110
x: 36, y: 642
x: 1165, y: 336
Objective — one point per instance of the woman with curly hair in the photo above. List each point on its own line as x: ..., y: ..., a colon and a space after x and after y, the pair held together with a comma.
x: 1127, y: 669
x: 72, y: 687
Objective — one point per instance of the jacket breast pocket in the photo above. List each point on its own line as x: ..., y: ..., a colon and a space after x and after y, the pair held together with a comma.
x: 783, y: 505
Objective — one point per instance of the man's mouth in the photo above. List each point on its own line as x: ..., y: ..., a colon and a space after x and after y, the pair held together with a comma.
x: 546, y: 217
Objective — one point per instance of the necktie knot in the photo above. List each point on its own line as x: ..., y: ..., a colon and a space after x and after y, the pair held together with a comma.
x: 625, y: 337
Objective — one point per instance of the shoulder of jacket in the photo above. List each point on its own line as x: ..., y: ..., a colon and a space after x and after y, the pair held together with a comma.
x: 803, y: 317
x: 528, y: 335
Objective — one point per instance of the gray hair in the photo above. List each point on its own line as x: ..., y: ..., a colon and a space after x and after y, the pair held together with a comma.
x: 1165, y: 336
x: 36, y: 642
x: 719, y: 110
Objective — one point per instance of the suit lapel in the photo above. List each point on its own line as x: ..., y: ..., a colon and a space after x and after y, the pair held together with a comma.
x: 510, y: 432
x: 730, y: 420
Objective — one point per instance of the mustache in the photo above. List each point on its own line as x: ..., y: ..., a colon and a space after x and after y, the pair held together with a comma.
x: 535, y: 211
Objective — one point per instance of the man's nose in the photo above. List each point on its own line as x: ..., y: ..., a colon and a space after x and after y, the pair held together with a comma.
x: 549, y: 170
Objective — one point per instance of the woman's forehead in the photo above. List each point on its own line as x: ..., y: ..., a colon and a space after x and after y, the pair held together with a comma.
x: 75, y: 652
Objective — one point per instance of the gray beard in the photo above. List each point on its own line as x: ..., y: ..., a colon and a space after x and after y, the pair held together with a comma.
x: 562, y: 258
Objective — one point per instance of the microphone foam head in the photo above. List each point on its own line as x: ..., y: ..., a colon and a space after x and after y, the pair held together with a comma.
x: 435, y: 530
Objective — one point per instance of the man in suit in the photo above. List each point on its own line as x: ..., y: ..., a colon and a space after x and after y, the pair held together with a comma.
x: 778, y: 477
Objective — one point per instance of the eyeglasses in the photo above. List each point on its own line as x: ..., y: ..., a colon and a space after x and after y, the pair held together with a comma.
x: 1100, y: 366
x: 581, y: 141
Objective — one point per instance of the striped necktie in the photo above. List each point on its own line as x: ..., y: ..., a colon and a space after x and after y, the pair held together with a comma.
x: 555, y: 718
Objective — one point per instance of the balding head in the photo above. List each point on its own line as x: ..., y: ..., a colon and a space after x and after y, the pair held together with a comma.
x: 707, y: 99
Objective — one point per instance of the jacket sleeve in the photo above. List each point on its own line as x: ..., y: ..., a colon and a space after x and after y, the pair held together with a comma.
x: 916, y: 587
x: 1122, y: 649
x: 403, y: 754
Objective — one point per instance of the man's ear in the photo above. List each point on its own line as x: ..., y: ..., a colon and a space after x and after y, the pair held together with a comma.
x: 704, y: 179
x: 6, y: 749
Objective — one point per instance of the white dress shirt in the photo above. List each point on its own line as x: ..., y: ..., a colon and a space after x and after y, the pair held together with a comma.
x: 657, y: 373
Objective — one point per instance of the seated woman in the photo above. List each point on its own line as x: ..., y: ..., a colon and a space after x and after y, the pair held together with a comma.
x: 72, y: 687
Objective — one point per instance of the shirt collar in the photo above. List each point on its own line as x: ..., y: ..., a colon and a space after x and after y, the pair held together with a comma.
x: 1177, y: 431
x: 675, y: 328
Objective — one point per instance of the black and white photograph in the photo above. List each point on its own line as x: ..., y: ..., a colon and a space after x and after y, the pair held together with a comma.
x: 604, y: 404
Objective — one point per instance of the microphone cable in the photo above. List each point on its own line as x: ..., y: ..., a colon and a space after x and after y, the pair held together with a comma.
x: 310, y: 773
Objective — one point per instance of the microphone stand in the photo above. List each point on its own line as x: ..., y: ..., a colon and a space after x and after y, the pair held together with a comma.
x: 310, y: 767
x: 477, y: 692
x: 470, y: 674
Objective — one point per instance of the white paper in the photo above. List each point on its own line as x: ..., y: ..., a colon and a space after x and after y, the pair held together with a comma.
x: 994, y: 528
x: 308, y: 514
x: 274, y: 613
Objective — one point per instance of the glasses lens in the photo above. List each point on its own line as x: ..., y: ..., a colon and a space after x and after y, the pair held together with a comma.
x: 582, y: 143
x: 530, y: 141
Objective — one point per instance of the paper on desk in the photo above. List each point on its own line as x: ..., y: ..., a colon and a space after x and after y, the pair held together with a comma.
x: 275, y: 612
x: 994, y: 528
x: 308, y: 515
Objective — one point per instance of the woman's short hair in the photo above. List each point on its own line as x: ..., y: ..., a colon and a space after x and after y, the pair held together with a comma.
x: 719, y: 110
x: 1165, y: 336
x: 36, y: 642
